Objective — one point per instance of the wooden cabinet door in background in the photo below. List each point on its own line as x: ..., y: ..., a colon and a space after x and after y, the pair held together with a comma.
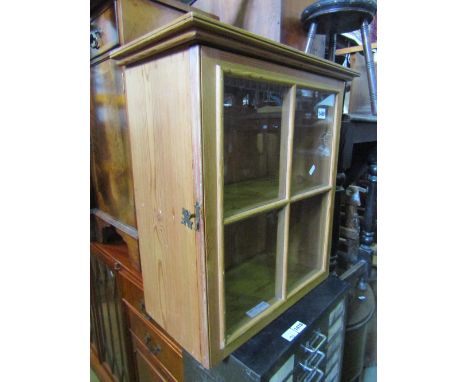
x: 111, y: 162
x: 140, y: 335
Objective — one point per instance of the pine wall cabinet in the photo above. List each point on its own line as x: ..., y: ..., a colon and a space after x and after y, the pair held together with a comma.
x: 234, y: 142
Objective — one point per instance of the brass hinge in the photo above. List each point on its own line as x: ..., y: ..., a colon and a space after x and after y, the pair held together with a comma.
x: 187, y: 217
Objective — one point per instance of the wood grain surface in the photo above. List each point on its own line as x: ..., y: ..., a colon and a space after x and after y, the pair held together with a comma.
x: 279, y: 20
x: 164, y: 116
x: 257, y: 16
x: 110, y: 146
x: 138, y: 17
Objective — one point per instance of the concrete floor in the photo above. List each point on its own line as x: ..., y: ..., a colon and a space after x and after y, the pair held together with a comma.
x: 370, y: 375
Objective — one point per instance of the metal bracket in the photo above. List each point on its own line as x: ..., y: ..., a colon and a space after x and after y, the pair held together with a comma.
x: 187, y: 217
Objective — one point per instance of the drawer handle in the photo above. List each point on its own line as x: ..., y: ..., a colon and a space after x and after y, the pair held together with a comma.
x: 149, y: 344
x: 313, y: 371
x: 315, y: 359
x: 96, y: 34
x: 143, y: 310
x: 312, y: 346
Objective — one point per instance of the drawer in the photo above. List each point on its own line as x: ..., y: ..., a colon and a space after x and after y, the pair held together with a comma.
x: 159, y: 349
x: 133, y: 295
x: 104, y: 32
x: 146, y: 371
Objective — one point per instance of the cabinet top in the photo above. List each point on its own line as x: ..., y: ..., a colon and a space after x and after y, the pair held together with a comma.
x: 194, y: 28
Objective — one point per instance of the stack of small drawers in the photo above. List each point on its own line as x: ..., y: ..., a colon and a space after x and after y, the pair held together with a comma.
x: 310, y: 368
x: 321, y: 357
x: 336, y: 332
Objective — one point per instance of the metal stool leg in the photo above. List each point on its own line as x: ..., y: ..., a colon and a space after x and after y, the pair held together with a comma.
x: 370, y: 66
x: 339, y: 192
x: 368, y: 223
x: 368, y: 226
x: 310, y: 37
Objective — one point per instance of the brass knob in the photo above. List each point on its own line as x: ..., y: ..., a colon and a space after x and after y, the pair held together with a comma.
x: 96, y: 35
x: 147, y: 338
x: 148, y: 342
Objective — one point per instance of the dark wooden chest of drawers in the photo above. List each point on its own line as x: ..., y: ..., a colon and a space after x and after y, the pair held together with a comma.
x: 126, y: 345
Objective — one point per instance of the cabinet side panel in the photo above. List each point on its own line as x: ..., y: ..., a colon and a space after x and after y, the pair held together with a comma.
x: 162, y: 95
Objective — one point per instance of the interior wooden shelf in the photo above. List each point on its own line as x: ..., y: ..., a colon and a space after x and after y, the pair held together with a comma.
x: 298, y: 194
x: 248, y: 284
x: 241, y: 196
x: 296, y: 275
x: 271, y: 113
x: 252, y: 282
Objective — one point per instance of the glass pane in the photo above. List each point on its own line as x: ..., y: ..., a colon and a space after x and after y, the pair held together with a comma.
x: 252, y: 140
x: 250, y: 266
x: 109, y: 315
x: 306, y: 237
x: 313, y: 127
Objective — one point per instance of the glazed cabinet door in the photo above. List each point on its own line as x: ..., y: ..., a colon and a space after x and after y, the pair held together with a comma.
x: 269, y: 149
x: 107, y: 322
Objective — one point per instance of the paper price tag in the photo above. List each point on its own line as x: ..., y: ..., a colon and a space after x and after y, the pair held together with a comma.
x: 321, y: 113
x: 257, y: 309
x: 293, y: 331
x: 312, y: 169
